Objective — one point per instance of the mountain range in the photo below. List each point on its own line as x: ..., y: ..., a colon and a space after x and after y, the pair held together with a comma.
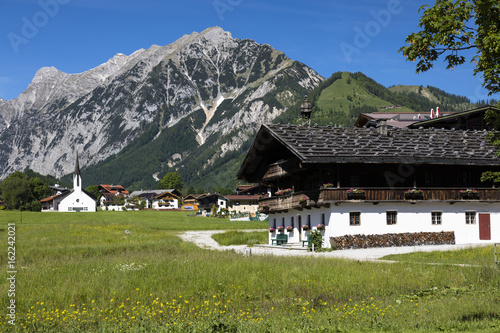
x: 192, y: 106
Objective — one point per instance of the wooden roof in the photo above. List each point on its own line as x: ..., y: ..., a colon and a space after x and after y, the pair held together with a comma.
x: 113, y: 188
x: 327, y: 144
x: 242, y: 197
x: 167, y: 195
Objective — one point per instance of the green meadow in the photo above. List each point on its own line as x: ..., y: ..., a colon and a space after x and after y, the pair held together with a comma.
x: 82, y: 272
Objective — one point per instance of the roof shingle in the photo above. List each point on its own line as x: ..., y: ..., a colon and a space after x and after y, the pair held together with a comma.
x: 334, y: 144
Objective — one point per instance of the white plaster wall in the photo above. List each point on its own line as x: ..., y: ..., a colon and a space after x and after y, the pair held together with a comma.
x: 77, y: 199
x: 222, y: 203
x: 410, y: 218
x: 115, y: 208
x: 174, y: 204
x: 244, y: 208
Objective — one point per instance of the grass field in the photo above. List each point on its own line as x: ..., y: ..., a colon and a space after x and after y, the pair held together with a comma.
x: 242, y: 238
x: 83, y: 273
x: 481, y: 256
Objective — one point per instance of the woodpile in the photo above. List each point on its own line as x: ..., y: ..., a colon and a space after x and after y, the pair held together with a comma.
x: 389, y: 240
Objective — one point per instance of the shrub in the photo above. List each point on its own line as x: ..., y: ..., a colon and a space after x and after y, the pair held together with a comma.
x: 34, y: 206
x: 316, y: 238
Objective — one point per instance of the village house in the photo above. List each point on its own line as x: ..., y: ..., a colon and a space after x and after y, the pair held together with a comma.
x: 191, y: 199
x: 357, y: 184
x: 246, y: 199
x: 207, y: 201
x: 398, y: 119
x: 113, y: 197
x: 74, y: 200
x: 243, y: 203
x: 166, y: 200
x: 467, y: 120
x: 157, y: 199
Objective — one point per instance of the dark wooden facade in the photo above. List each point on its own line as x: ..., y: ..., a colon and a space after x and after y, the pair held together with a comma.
x: 329, y: 196
x: 383, y: 164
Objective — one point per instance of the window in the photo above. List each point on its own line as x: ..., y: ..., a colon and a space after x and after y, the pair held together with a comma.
x: 309, y: 220
x: 470, y: 217
x: 274, y: 223
x: 293, y: 224
x: 436, y: 217
x: 392, y: 217
x: 323, y: 218
x: 354, y: 218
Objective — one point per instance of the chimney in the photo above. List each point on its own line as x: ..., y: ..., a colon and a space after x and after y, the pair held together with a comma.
x: 382, y: 126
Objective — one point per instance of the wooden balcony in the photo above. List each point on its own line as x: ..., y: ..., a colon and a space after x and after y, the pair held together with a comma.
x: 328, y: 196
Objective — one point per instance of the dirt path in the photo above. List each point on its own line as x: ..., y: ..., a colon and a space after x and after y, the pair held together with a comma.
x: 204, y: 240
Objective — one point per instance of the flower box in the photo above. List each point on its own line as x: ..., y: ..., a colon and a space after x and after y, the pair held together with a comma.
x: 320, y: 227
x: 283, y: 192
x: 469, y: 194
x: 355, y: 194
x: 289, y: 228
x: 303, y: 201
x: 327, y: 185
x: 414, y: 194
x: 281, y: 228
x: 306, y: 227
x: 272, y: 229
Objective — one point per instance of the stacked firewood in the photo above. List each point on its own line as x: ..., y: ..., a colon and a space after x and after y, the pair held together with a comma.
x: 389, y: 240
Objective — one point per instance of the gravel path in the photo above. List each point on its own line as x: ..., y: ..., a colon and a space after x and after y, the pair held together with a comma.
x: 204, y: 240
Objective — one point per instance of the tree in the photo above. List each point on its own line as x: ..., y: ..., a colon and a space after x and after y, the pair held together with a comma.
x: 118, y: 200
x: 222, y: 190
x: 214, y: 210
x: 16, y: 188
x: 39, y: 189
x: 451, y: 27
x: 94, y: 190
x: 172, y: 180
x: 191, y: 190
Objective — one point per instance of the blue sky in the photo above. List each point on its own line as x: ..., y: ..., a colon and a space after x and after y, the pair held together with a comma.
x: 327, y: 35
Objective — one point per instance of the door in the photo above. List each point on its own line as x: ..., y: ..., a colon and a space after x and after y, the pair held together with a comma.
x: 300, y: 228
x: 484, y: 227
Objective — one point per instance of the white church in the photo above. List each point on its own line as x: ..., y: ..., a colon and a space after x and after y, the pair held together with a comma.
x: 75, y: 200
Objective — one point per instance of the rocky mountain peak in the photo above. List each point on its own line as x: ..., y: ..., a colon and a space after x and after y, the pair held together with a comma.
x: 216, y: 35
x: 202, y: 96
x: 46, y: 73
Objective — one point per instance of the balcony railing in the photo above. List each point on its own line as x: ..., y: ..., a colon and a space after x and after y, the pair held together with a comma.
x: 333, y: 195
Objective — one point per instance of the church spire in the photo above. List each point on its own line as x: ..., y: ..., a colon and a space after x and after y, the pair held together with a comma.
x: 77, y: 178
x: 77, y: 166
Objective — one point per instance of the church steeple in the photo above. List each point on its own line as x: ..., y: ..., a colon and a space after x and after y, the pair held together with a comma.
x: 77, y: 178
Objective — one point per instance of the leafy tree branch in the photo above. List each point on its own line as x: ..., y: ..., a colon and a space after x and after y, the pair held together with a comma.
x: 451, y: 27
